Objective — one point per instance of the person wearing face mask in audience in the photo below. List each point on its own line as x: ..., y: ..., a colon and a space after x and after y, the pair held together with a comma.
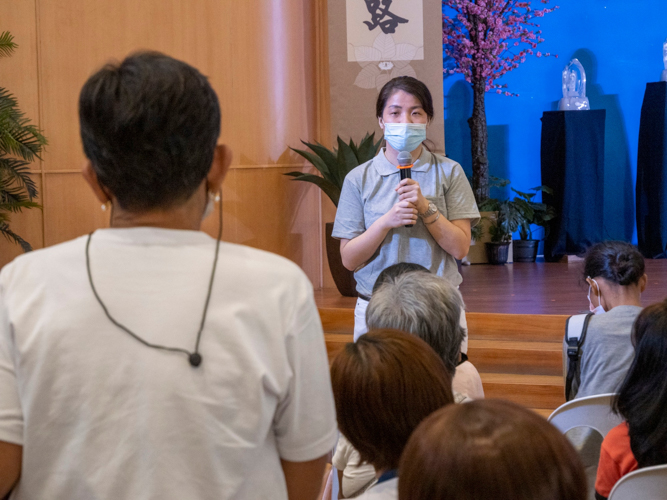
x: 614, y: 271
x: 375, y: 205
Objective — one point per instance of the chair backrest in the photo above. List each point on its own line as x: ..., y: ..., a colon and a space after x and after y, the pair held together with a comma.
x: 649, y: 483
x: 591, y: 411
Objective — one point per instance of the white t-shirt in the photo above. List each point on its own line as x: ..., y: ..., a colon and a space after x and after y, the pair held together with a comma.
x: 100, y: 415
x: 386, y: 490
x: 357, y: 476
x: 467, y: 381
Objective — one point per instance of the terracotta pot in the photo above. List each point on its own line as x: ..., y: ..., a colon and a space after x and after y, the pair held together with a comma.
x: 525, y: 250
x: 497, y: 252
x: 344, y: 278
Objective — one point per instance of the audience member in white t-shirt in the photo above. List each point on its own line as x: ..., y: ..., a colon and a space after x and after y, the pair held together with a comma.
x: 384, y: 385
x: 149, y: 360
x: 489, y: 449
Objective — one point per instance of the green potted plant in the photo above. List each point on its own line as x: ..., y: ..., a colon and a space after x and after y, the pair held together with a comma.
x: 516, y: 214
x: 334, y: 165
x: 502, y: 223
x: 20, y: 143
x: 532, y: 214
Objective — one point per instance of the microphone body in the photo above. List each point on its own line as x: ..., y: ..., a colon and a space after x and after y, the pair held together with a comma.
x: 405, y: 167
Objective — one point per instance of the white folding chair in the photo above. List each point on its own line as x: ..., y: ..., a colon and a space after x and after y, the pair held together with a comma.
x: 649, y: 483
x: 591, y: 411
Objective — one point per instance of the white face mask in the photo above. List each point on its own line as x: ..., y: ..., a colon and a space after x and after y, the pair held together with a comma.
x: 599, y: 309
x: 405, y: 136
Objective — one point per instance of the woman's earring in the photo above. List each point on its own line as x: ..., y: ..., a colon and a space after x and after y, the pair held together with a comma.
x: 217, y: 197
x: 104, y: 206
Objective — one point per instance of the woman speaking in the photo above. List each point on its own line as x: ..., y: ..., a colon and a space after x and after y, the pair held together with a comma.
x: 382, y: 220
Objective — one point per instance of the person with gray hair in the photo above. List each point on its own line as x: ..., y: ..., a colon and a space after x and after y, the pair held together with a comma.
x: 429, y: 307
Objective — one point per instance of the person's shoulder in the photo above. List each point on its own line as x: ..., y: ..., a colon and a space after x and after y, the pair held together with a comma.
x: 37, y: 263
x: 618, y: 319
x: 387, y: 490
x: 260, y: 262
x: 617, y: 441
x: 360, y: 171
x: 446, y: 165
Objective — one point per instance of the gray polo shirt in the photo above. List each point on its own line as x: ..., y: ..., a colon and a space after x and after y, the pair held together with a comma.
x: 368, y: 193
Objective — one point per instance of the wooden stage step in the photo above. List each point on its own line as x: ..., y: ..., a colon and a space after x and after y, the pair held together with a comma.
x: 508, y: 356
x: 519, y: 356
x: 533, y: 391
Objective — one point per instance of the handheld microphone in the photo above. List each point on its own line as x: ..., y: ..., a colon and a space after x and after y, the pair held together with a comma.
x: 405, y: 167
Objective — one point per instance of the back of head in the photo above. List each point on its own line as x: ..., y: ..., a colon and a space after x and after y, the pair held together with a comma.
x: 149, y: 126
x: 489, y: 449
x: 616, y: 261
x: 391, y: 272
x: 422, y: 304
x: 384, y: 385
x: 642, y: 398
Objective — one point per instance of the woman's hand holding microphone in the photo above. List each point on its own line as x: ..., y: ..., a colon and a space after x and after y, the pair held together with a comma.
x: 410, y: 203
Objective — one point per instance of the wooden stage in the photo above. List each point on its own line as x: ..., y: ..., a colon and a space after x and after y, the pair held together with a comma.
x: 526, y: 288
x: 516, y: 320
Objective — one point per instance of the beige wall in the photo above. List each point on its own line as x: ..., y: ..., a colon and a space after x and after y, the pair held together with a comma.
x: 263, y: 59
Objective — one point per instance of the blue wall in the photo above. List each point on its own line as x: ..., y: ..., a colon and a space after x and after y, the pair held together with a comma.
x: 619, y: 44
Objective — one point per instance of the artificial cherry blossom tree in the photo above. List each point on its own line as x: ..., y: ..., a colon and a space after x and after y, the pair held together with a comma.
x: 485, y: 39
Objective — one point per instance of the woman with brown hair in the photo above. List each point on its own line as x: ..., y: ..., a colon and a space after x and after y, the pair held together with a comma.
x: 489, y: 449
x: 384, y: 385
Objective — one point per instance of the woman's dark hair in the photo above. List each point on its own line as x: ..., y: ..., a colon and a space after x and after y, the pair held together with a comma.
x: 384, y: 385
x: 489, y: 449
x: 391, y: 272
x: 642, y: 398
x: 406, y: 84
x: 616, y: 261
x: 149, y: 125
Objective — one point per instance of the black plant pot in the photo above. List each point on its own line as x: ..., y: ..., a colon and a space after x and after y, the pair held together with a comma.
x: 344, y: 278
x: 525, y: 250
x: 497, y: 253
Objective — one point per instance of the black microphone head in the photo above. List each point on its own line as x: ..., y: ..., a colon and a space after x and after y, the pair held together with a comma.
x: 404, y: 158
x: 195, y: 359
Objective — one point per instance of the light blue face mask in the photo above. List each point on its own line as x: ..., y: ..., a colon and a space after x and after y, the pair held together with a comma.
x: 405, y: 136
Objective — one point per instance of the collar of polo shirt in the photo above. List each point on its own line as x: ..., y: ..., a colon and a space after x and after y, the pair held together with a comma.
x: 384, y: 167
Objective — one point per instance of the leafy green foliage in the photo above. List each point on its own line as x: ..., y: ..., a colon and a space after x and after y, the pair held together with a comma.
x: 20, y: 144
x: 518, y: 213
x: 334, y: 165
x: 7, y: 44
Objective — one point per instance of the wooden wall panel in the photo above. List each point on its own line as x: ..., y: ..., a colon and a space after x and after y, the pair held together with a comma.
x: 261, y: 57
x: 253, y: 52
x: 70, y: 208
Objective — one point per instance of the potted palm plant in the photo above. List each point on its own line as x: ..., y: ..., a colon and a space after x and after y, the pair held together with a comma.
x: 334, y: 165
x: 20, y: 143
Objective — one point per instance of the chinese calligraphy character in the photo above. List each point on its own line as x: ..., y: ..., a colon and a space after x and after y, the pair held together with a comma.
x: 379, y: 10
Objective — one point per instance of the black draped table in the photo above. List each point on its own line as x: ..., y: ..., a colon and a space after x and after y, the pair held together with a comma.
x: 651, y: 169
x: 572, y: 158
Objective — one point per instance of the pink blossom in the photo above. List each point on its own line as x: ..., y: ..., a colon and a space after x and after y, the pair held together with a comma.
x: 481, y: 36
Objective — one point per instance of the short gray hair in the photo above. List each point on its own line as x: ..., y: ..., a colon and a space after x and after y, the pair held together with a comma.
x: 424, y: 305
